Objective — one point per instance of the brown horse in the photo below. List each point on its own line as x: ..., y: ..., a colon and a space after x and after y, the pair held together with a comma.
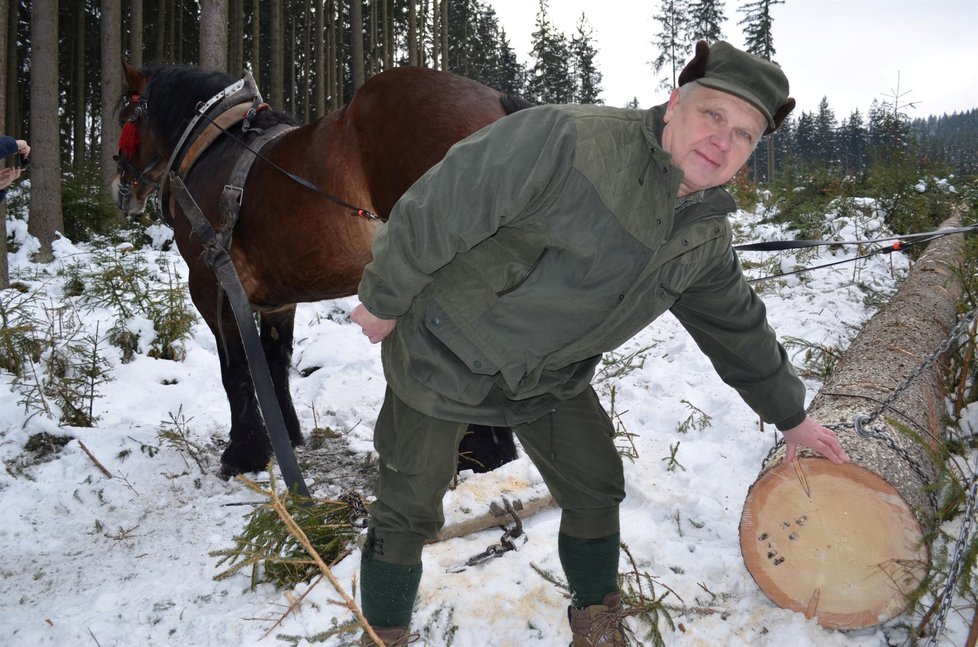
x: 290, y: 244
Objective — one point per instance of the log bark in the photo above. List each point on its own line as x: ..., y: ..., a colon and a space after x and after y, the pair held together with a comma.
x: 845, y: 544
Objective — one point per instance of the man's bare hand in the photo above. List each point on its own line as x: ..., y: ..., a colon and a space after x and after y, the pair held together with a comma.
x: 816, y: 437
x: 373, y: 327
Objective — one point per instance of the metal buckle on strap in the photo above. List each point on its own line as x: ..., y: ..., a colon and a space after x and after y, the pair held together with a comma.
x: 231, y: 196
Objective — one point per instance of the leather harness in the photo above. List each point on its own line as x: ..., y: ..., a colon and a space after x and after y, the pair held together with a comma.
x: 238, y: 102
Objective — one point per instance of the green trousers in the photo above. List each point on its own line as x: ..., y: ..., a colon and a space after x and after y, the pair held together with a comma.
x: 572, y: 447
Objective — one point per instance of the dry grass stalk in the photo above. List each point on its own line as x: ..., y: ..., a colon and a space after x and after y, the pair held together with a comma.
x: 99, y: 465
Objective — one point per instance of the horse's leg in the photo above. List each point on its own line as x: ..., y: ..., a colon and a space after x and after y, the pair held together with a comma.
x: 276, y: 339
x: 485, y: 448
x: 248, y: 448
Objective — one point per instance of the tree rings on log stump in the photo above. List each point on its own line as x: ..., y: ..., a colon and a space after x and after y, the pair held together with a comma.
x: 835, y: 542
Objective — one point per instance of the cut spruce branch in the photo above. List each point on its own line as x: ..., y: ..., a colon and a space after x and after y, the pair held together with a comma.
x: 278, y: 505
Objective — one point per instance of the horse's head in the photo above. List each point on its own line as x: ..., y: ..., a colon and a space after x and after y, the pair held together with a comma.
x: 140, y: 160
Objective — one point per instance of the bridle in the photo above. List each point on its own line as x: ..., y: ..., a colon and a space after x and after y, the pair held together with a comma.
x: 128, y: 145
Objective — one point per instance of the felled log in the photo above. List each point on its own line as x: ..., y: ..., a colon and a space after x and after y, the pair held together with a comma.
x: 496, y: 516
x: 845, y: 543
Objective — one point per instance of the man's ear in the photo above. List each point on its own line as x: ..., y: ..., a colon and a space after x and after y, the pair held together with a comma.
x: 674, y: 100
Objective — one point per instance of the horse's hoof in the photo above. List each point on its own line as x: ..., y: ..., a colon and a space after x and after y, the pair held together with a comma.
x: 228, y: 471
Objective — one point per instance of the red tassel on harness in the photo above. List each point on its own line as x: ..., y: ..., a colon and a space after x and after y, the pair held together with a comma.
x: 129, y: 140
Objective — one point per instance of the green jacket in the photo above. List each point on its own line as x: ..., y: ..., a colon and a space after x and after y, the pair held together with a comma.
x: 545, y: 240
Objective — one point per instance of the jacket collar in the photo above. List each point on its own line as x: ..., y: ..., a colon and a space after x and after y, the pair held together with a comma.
x: 653, y: 123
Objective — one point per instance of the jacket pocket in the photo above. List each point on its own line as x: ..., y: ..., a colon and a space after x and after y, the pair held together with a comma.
x: 445, y: 360
x: 522, y: 279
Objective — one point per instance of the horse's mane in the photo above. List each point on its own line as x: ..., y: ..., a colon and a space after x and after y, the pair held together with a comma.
x: 174, y: 91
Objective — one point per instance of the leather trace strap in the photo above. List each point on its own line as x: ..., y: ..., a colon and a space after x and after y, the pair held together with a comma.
x: 218, y: 257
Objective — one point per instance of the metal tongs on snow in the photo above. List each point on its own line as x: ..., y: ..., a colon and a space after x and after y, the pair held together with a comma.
x: 513, y: 537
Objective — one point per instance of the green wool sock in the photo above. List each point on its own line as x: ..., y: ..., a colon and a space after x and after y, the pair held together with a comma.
x: 387, y: 592
x: 591, y: 567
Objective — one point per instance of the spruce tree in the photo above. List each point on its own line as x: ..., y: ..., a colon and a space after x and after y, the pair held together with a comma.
x: 826, y: 147
x: 758, y: 25
x: 550, y: 80
x: 588, y: 77
x: 673, y: 49
x: 805, y: 139
x: 852, y: 143
x: 512, y: 73
x: 705, y: 20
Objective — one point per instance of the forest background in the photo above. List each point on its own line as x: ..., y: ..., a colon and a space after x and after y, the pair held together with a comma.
x: 60, y: 67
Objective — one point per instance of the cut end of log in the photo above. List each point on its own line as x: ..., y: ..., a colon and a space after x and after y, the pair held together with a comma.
x: 835, y: 542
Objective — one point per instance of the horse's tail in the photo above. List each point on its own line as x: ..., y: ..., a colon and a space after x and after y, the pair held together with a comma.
x: 512, y: 103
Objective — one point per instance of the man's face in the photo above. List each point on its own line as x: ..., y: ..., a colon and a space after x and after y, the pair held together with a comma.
x: 710, y: 134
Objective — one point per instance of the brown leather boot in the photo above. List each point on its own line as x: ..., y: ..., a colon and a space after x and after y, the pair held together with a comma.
x: 392, y: 637
x: 599, y: 625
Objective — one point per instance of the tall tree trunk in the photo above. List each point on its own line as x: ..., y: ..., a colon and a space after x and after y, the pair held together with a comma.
x: 174, y: 22
x: 770, y: 159
x: 78, y: 133
x: 4, y: 268
x: 256, y: 41
x: 292, y: 89
x: 277, y: 94
x: 422, y: 33
x: 135, y: 31
x: 176, y: 37
x: 374, y: 45
x: 161, y: 19
x: 111, y: 28
x: 356, y: 41
x: 307, y: 63
x: 13, y: 88
x: 236, y: 37
x: 45, y: 211
x: 214, y: 34
x: 444, y: 34
x: 412, y: 32
x: 321, y: 43
x: 332, y: 62
x: 388, y: 39
x: 436, y: 28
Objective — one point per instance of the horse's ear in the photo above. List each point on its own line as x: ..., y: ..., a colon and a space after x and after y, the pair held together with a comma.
x: 134, y: 79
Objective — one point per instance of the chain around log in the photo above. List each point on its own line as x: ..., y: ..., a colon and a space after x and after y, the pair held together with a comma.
x: 957, y: 559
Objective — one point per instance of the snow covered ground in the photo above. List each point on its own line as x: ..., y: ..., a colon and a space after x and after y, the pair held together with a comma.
x: 93, y: 560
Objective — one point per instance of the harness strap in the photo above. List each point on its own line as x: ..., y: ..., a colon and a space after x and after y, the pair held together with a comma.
x: 219, y: 259
x: 233, y: 193
x: 229, y: 203
x: 240, y: 91
x: 214, y: 129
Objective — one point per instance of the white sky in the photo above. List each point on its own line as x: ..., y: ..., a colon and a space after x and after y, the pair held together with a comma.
x: 852, y: 51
